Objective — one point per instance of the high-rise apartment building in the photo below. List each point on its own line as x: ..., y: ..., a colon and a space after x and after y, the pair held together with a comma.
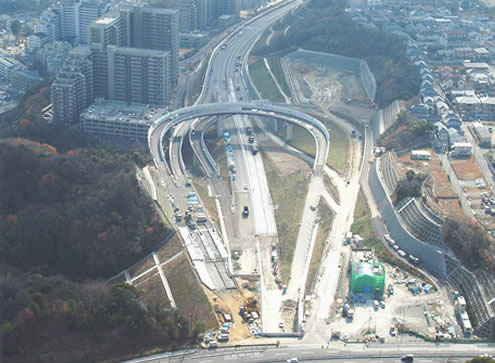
x: 228, y: 7
x: 89, y: 11
x: 77, y: 15
x: 70, y: 18
x: 72, y: 91
x: 158, y: 29
x: 134, y: 57
x: 50, y: 23
x: 138, y: 75
x: 193, y: 15
x: 105, y: 31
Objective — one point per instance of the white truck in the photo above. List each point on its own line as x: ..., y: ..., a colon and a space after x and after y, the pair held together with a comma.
x: 348, y: 311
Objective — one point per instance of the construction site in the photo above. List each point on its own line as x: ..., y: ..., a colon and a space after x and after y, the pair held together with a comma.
x: 416, y: 226
x: 379, y: 302
x: 336, y: 83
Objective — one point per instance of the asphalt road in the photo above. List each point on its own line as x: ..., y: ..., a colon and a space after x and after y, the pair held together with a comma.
x: 360, y: 353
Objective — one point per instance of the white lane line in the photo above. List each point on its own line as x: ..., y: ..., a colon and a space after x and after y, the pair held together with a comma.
x: 285, y: 353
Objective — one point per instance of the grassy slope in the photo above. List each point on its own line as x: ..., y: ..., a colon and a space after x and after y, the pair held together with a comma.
x: 303, y: 140
x: 326, y: 216
x: 278, y: 72
x: 197, y: 84
x: 339, y: 146
x: 289, y: 194
x: 362, y: 218
x: 264, y: 82
x: 189, y: 295
x: 201, y: 187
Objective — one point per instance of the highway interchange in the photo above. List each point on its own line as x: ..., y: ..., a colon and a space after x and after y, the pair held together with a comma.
x: 225, y: 97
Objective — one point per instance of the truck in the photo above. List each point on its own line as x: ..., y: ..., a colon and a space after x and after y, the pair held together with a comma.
x: 348, y: 238
x: 348, y: 311
x: 201, y: 218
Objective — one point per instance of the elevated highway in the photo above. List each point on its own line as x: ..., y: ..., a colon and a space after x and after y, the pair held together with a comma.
x: 176, y: 118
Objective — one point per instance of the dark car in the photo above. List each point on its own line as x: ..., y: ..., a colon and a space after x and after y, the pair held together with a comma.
x: 245, y: 211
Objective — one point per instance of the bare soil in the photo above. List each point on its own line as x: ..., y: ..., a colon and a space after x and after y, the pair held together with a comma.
x: 466, y: 169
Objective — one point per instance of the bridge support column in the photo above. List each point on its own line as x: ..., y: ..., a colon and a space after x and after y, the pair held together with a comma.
x: 219, y: 125
x: 195, y: 161
x: 290, y: 131
x: 274, y: 124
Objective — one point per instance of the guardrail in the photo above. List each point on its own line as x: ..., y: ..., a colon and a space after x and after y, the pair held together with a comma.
x: 203, y: 146
x: 262, y: 109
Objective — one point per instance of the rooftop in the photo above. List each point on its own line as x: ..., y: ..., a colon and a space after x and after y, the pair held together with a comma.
x: 123, y: 112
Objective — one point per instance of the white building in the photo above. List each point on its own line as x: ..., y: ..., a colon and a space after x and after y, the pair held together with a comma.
x: 461, y: 149
x: 7, y: 65
x: 36, y: 41
x: 420, y: 155
x: 122, y: 119
x: 483, y: 134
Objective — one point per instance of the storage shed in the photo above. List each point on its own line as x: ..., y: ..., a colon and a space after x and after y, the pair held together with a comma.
x: 368, y: 278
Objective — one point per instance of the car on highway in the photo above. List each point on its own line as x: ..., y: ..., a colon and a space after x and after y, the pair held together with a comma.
x: 251, y: 139
x: 245, y: 187
x: 407, y: 358
x: 292, y: 360
x: 245, y: 211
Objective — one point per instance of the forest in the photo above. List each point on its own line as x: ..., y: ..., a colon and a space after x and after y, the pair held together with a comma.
x: 406, y: 131
x: 324, y: 26
x: 409, y: 187
x: 71, y: 216
x: 470, y: 243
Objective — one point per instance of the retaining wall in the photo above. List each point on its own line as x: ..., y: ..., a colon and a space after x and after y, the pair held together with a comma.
x: 432, y: 258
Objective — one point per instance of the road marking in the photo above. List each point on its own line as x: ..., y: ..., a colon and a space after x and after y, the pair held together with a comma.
x: 229, y: 358
x: 285, y: 353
